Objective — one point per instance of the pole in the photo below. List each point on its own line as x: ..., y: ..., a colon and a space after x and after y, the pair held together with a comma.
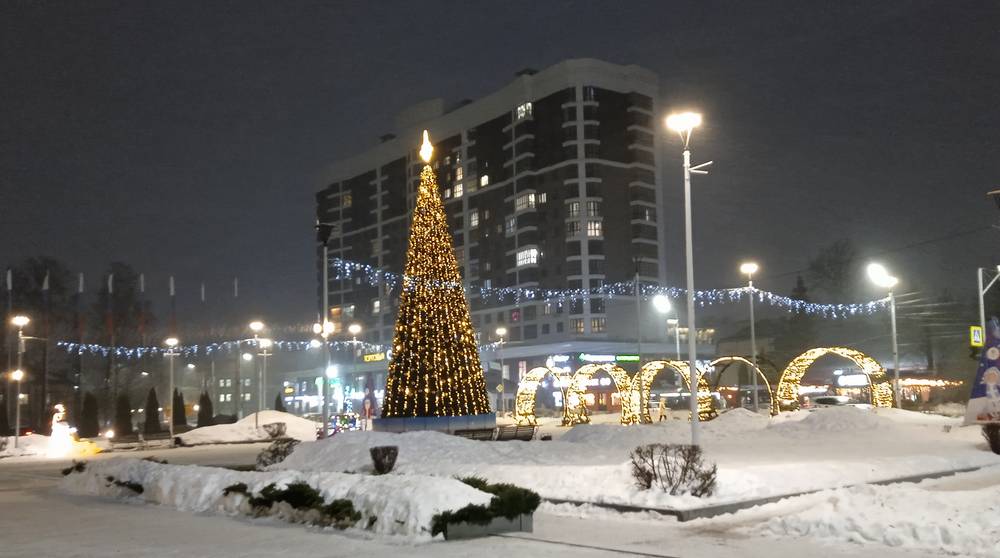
x: 503, y: 400
x: 695, y: 376
x: 354, y: 357
x: 638, y: 314
x: 170, y: 356
x: 982, y: 303
x: 895, y: 349
x: 677, y: 338
x: 326, y: 388
x: 753, y: 350
x: 256, y: 416
x: 17, y: 399
x: 238, y: 406
x: 324, y: 304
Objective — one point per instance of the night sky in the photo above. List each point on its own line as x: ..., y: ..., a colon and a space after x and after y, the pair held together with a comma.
x: 190, y: 137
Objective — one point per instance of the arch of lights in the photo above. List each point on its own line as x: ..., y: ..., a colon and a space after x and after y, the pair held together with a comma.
x: 644, y: 380
x: 575, y: 404
x: 787, y: 394
x: 527, y: 388
x: 729, y: 360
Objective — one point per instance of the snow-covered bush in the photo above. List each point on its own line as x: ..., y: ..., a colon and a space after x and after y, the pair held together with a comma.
x: 673, y: 468
x: 276, y: 452
x: 508, y: 501
x: 384, y: 458
x: 298, y: 502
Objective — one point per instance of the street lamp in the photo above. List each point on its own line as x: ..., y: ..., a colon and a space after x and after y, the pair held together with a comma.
x: 502, y: 333
x: 880, y: 276
x: 256, y: 327
x: 324, y: 330
x: 354, y: 330
x: 684, y: 123
x: 264, y: 345
x: 662, y: 305
x: 748, y: 269
x: 17, y: 376
x: 171, y: 343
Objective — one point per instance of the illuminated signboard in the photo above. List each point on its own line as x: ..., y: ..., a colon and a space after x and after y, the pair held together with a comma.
x: 374, y: 357
x: 852, y: 380
x: 975, y: 336
x: 289, y: 390
x: 626, y: 358
x: 587, y: 357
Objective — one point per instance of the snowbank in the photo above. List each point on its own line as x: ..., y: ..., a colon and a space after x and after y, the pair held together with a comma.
x: 243, y: 430
x: 909, y: 516
x: 757, y: 456
x: 400, y: 505
x: 32, y: 444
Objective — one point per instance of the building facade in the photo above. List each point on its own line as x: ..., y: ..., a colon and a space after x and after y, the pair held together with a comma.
x: 551, y: 182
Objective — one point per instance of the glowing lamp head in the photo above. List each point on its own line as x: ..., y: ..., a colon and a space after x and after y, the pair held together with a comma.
x: 683, y: 122
x: 266, y: 343
x: 315, y: 344
x: 317, y: 328
x: 426, y: 149
x: 879, y: 275
x: 109, y: 434
x: 20, y: 321
x: 171, y: 342
x: 17, y: 375
x: 354, y: 329
x: 748, y: 268
x: 247, y: 357
x: 331, y: 371
x: 256, y: 326
x: 502, y: 332
x: 328, y: 328
x: 661, y: 303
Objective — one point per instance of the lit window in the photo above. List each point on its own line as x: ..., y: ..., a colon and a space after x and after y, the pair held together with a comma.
x: 447, y: 193
x: 487, y: 266
x: 597, y: 325
x: 486, y: 214
x: 349, y: 311
x: 523, y: 111
x: 542, y: 198
x: 573, y: 209
x: 246, y: 381
x: 527, y: 256
x: 246, y: 397
x: 572, y: 228
x: 522, y: 369
x: 487, y: 284
x: 484, y: 180
x: 222, y: 397
x: 524, y: 201
x: 474, y: 219
x: 346, y: 200
x: 222, y: 383
x: 458, y: 173
x: 229, y: 397
x: 229, y: 382
x: 510, y: 225
x: 594, y: 228
x: 576, y: 325
x: 458, y: 190
x: 376, y: 306
x: 594, y: 208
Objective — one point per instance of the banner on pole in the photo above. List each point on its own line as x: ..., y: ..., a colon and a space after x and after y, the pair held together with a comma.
x: 984, y: 402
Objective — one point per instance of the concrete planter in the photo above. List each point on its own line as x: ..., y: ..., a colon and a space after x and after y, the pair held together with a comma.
x: 447, y: 425
x: 458, y: 531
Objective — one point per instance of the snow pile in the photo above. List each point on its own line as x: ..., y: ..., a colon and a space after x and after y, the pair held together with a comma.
x: 833, y: 420
x: 394, y: 504
x: 32, y: 444
x: 243, y: 430
x: 964, y: 523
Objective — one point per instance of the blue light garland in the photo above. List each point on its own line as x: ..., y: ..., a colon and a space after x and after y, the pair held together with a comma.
x: 346, y: 269
x: 207, y: 349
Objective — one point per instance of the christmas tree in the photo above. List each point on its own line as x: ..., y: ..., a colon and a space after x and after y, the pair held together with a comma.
x: 435, y: 368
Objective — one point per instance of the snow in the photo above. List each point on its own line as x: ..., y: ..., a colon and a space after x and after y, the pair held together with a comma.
x: 757, y: 456
x: 243, y: 430
x: 32, y: 444
x: 403, y: 506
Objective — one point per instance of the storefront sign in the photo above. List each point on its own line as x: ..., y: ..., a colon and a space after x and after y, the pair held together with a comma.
x: 374, y: 357
x: 975, y: 336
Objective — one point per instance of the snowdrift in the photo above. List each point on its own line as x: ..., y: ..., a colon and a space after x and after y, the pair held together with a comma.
x: 243, y: 430
x: 401, y: 505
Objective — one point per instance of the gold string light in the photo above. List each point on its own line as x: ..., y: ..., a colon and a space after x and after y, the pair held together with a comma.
x: 787, y: 394
x: 435, y: 368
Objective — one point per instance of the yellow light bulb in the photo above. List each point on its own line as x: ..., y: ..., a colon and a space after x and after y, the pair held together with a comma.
x: 426, y: 149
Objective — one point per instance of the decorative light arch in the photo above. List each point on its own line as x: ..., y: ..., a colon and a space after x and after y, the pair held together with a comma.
x: 727, y: 361
x: 788, y: 386
x: 644, y: 380
x: 574, y: 405
x: 527, y: 389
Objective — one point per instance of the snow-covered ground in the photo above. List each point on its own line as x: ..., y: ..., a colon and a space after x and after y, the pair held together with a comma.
x: 757, y: 456
x: 32, y: 444
x: 246, y: 430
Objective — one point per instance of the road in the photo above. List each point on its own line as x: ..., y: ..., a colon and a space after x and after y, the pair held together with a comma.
x: 37, y: 520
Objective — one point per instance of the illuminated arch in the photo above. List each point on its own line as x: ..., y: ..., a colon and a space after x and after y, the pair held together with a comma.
x: 788, y: 386
x: 575, y: 405
x: 644, y: 380
x: 527, y: 389
x: 727, y: 361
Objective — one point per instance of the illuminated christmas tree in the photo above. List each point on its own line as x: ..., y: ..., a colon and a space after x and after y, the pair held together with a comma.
x: 435, y: 368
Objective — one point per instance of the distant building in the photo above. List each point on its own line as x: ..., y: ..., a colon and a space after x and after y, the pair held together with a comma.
x: 550, y: 182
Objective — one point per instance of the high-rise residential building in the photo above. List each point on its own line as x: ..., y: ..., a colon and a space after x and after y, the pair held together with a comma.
x: 550, y: 182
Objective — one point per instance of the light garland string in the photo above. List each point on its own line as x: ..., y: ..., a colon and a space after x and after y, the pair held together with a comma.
x: 206, y: 349
x: 346, y: 269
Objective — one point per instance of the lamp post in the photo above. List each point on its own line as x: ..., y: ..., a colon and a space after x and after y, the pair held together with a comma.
x: 748, y: 269
x: 324, y: 330
x: 171, y: 343
x: 17, y: 376
x: 684, y: 123
x: 662, y: 305
x: 256, y: 327
x: 264, y: 345
x: 880, y: 276
x: 502, y: 333
x: 982, y: 293
x: 354, y: 330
